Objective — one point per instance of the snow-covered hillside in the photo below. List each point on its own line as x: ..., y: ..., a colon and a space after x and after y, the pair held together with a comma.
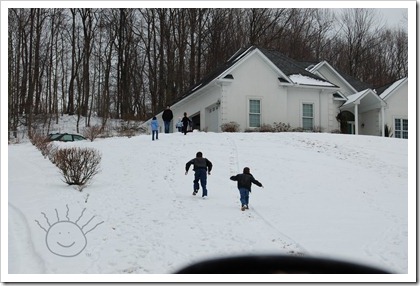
x: 329, y: 195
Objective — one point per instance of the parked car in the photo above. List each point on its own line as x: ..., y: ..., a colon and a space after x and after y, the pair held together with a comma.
x: 65, y: 137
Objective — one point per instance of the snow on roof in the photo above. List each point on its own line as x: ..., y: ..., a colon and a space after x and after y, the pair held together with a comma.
x: 302, y: 79
x: 354, y: 97
x: 391, y: 88
x: 313, y: 67
x: 195, y: 88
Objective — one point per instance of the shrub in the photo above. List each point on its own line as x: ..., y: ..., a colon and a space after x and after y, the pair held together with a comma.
x: 317, y: 129
x: 77, y: 165
x: 41, y: 143
x: 281, y: 127
x: 130, y: 128
x: 297, y: 129
x: 388, y: 131
x: 126, y: 133
x: 266, y: 128
x: 230, y: 127
x: 51, y: 150
x: 92, y: 132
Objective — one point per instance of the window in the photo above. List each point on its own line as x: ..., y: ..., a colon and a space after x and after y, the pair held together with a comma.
x: 254, y: 113
x: 66, y: 137
x: 401, y: 128
x: 307, y: 116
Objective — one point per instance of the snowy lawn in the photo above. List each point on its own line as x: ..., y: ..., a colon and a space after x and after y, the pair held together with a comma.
x: 326, y: 195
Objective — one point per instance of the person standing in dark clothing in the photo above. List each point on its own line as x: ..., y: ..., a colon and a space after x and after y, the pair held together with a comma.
x: 167, y: 117
x: 185, y: 123
x: 202, y: 167
x: 245, y: 180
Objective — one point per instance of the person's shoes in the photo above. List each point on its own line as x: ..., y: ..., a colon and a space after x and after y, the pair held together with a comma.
x: 246, y: 207
x: 243, y: 208
x: 204, y: 197
x: 195, y: 192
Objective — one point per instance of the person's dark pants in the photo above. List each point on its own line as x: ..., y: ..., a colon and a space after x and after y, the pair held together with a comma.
x: 167, y: 124
x: 244, y: 196
x: 184, y: 129
x: 200, y: 175
x: 155, y: 132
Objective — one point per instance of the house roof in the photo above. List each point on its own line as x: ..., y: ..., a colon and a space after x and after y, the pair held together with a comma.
x: 367, y: 97
x: 218, y: 71
x: 356, y: 97
x: 294, y: 69
x: 386, y: 90
x: 354, y: 83
x: 291, y: 68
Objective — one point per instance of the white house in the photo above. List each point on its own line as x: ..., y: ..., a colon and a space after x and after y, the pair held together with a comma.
x: 258, y: 86
x: 396, y: 110
x: 369, y: 111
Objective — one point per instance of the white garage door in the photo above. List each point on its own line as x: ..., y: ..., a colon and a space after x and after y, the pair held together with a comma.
x: 212, y: 118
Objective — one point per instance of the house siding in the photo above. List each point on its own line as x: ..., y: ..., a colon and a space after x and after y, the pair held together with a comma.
x: 325, y: 110
x: 330, y: 75
x: 397, y: 105
x: 369, y: 123
x: 334, y: 109
x: 254, y: 79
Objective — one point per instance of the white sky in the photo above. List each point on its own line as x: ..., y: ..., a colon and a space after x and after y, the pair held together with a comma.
x: 394, y: 17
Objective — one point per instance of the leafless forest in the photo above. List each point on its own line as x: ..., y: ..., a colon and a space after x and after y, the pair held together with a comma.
x: 130, y: 63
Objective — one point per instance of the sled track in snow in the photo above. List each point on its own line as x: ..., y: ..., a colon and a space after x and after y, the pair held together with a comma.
x: 301, y: 251
x: 233, y: 156
x: 17, y: 217
x: 234, y: 162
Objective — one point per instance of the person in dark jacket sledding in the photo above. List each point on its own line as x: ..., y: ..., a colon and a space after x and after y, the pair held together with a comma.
x: 202, y: 167
x: 245, y: 180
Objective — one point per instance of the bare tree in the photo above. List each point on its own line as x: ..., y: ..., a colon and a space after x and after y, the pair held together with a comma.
x: 131, y: 63
x: 360, y: 35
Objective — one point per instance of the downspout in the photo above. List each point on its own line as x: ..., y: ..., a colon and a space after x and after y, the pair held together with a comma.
x: 356, y: 118
x: 319, y: 109
x: 383, y: 120
x: 222, y: 106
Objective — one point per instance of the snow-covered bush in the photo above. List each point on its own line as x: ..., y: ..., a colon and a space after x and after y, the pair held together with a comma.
x: 77, y: 165
x: 230, y: 127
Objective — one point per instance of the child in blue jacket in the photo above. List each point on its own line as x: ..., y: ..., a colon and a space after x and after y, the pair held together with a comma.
x: 155, y: 127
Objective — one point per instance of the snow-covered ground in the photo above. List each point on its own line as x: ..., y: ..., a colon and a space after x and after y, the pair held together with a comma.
x: 327, y: 195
